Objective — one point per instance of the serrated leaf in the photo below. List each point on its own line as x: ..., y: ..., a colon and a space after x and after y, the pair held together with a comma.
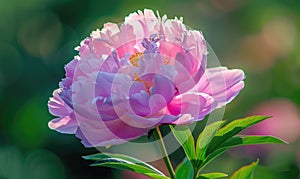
x: 213, y: 175
x: 232, y: 129
x: 246, y: 172
x: 126, y: 165
x: 184, y: 170
x: 101, y: 156
x: 185, y: 138
x: 205, y: 137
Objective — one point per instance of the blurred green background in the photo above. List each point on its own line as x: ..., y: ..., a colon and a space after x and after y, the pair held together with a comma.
x: 38, y: 37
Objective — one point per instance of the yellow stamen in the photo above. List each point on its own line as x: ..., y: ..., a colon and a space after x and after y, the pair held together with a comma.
x: 147, y: 85
x: 166, y: 61
x: 135, y: 58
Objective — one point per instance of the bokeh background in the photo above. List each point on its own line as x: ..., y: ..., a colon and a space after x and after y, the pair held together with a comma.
x: 38, y: 37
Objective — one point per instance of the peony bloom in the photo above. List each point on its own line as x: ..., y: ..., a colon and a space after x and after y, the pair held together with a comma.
x: 128, y: 79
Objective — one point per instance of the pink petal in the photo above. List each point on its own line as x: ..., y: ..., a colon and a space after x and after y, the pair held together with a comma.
x: 66, y: 125
x: 222, y: 84
x: 99, y: 133
x: 196, y: 104
x: 57, y: 106
x: 144, y: 23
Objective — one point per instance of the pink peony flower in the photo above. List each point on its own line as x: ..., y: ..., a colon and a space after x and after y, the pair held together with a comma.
x: 128, y: 79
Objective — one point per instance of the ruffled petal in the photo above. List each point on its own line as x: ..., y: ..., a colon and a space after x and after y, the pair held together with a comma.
x: 189, y: 67
x: 145, y: 103
x: 70, y: 68
x: 57, y: 106
x: 99, y: 133
x: 198, y: 105
x: 163, y: 87
x: 139, y: 103
x: 66, y: 125
x: 222, y: 84
x: 114, y: 38
x: 144, y: 23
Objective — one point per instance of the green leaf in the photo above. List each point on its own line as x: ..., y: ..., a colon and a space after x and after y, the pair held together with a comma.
x: 184, y: 170
x: 250, y: 140
x: 225, y: 138
x: 126, y: 165
x: 241, y: 141
x: 246, y: 172
x: 232, y: 129
x: 185, y: 138
x: 214, y: 175
x: 205, y: 137
x: 122, y: 162
x: 211, y: 157
x: 157, y: 176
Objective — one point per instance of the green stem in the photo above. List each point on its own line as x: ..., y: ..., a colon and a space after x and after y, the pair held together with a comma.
x: 195, y: 174
x: 161, y: 144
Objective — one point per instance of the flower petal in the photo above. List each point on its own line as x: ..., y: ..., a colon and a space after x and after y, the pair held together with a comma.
x: 99, y: 133
x: 222, y: 84
x: 66, y: 125
x: 144, y: 23
x: 198, y: 105
x: 57, y: 106
x: 164, y: 87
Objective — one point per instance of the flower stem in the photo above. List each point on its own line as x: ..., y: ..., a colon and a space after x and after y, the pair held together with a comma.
x: 196, y: 171
x: 161, y: 144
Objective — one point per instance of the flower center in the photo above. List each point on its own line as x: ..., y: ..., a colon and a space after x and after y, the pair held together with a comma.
x: 166, y: 61
x: 135, y: 58
x: 147, y: 84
